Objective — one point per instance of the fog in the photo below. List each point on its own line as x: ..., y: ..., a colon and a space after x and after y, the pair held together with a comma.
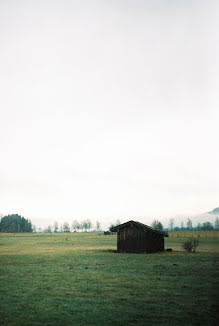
x: 109, y: 109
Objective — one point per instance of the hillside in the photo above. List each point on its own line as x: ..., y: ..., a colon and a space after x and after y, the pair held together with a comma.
x: 214, y: 211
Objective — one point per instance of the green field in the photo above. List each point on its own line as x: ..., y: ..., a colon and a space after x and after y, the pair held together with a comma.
x: 78, y: 279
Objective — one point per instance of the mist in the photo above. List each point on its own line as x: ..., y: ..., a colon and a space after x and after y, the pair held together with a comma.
x: 108, y: 110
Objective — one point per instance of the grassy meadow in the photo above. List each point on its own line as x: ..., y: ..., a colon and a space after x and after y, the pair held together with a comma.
x: 78, y: 279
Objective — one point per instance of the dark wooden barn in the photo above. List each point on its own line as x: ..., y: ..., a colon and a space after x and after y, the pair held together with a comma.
x: 137, y: 237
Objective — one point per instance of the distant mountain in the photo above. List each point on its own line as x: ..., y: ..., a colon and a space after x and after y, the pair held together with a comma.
x: 204, y: 217
x: 214, y: 211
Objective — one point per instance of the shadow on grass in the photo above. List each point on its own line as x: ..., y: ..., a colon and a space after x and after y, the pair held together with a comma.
x: 139, y: 253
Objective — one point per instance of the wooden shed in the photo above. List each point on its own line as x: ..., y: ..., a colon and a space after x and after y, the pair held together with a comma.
x: 137, y: 237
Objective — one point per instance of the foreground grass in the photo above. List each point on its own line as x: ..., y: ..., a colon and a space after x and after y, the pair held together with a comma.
x: 77, y: 279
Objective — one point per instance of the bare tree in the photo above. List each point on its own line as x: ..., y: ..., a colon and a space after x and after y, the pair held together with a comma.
x: 66, y: 227
x: 82, y: 226
x: 87, y: 225
x: 55, y: 227
x: 157, y: 225
x: 75, y: 226
x: 171, y: 224
x: 98, y: 226
x: 189, y: 224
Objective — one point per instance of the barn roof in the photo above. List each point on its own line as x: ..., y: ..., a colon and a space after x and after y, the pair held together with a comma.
x: 141, y: 225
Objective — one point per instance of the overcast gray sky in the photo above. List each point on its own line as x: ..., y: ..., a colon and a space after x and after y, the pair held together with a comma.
x: 109, y: 109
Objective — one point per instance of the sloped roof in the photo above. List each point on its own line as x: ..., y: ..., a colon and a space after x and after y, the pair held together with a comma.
x: 141, y: 225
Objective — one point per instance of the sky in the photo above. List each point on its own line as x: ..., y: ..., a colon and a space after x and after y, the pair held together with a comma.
x: 109, y: 109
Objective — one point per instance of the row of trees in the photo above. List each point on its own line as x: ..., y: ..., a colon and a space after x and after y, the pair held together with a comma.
x: 206, y: 226
x: 188, y: 226
x: 76, y: 226
x: 87, y: 226
x: 15, y: 223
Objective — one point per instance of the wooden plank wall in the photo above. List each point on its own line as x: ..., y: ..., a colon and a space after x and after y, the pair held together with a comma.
x: 134, y: 239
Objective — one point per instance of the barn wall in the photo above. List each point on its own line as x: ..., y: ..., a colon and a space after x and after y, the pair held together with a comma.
x: 134, y: 239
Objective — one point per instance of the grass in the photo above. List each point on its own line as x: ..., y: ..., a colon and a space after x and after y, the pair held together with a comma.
x: 195, y: 234
x: 208, y: 240
x: 77, y: 279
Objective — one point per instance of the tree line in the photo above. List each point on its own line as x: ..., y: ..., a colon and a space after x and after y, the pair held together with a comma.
x: 16, y: 223
x: 188, y: 226
x: 76, y: 226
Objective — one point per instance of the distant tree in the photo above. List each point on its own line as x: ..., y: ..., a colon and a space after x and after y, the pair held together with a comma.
x: 112, y: 225
x: 48, y: 229
x: 98, y: 227
x: 34, y: 228
x: 207, y: 226
x: 171, y: 224
x: 216, y: 223
x: 87, y: 225
x: 55, y: 227
x: 15, y: 223
x: 199, y: 227
x: 182, y: 226
x: 81, y: 226
x: 157, y: 225
x: 78, y: 226
x: 66, y: 227
x: 189, y: 224
x: 84, y: 226
x: 75, y: 226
